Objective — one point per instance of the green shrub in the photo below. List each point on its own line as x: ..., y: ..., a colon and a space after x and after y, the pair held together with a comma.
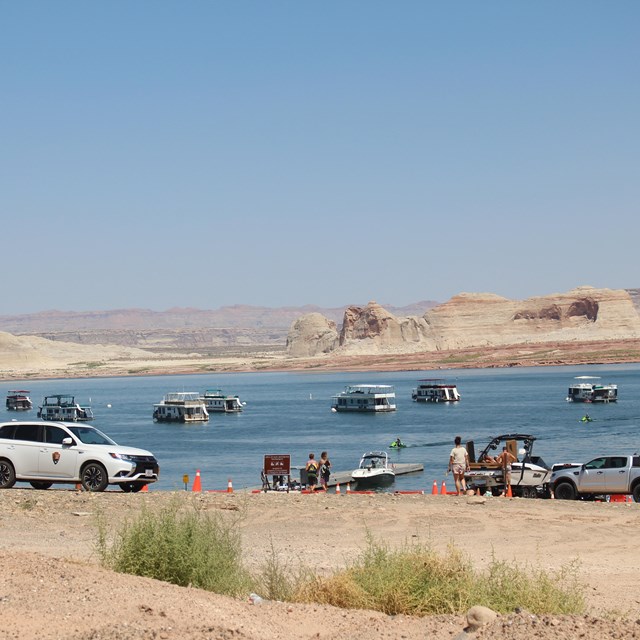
x: 184, y: 548
x: 418, y: 581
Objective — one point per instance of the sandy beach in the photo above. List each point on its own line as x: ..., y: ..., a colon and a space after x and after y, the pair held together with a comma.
x: 53, y: 587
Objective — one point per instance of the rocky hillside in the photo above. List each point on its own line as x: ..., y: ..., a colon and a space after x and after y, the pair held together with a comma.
x: 469, y: 320
x: 232, y: 327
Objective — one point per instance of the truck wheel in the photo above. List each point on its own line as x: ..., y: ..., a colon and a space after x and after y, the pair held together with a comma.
x: 636, y: 493
x: 7, y: 475
x: 94, y: 477
x: 565, y: 491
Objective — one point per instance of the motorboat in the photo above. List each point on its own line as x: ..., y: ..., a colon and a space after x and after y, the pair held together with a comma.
x: 19, y: 400
x: 365, y: 398
x: 216, y: 401
x: 181, y: 406
x: 435, y: 390
x: 529, y: 474
x: 592, y: 392
x: 64, y: 408
x: 374, y: 470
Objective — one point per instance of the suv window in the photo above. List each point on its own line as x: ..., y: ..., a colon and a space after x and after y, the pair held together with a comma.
x: 7, y: 431
x: 55, y: 435
x: 30, y: 432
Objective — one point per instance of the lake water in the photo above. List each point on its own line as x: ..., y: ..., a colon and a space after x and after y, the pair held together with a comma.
x: 290, y: 413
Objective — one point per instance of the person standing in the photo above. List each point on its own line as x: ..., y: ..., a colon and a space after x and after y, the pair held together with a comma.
x: 325, y: 469
x: 312, y: 472
x: 458, y: 464
x: 505, y: 459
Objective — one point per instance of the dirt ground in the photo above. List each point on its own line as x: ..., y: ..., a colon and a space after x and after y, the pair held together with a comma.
x: 51, y: 584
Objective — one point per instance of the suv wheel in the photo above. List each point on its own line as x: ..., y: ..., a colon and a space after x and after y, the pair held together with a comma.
x: 565, y: 491
x: 7, y: 475
x: 36, y: 484
x: 94, y: 477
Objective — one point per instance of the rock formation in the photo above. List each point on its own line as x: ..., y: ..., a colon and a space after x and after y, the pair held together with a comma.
x: 310, y: 335
x: 475, y: 320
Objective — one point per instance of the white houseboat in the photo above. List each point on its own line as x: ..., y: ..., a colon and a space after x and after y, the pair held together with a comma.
x: 181, y: 406
x: 435, y: 390
x: 366, y: 397
x: 592, y: 392
x: 19, y: 400
x: 64, y: 408
x: 216, y: 401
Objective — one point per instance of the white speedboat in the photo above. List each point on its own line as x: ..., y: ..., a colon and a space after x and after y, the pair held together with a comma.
x: 435, y: 390
x: 365, y: 397
x: 19, y: 400
x: 181, y: 406
x: 216, y: 401
x: 529, y: 474
x: 374, y: 470
x: 64, y: 408
x: 592, y: 392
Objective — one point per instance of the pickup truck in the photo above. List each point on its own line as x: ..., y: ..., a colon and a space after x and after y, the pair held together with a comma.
x: 606, y: 475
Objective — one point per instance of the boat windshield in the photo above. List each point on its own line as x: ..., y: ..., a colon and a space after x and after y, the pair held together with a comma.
x: 90, y: 435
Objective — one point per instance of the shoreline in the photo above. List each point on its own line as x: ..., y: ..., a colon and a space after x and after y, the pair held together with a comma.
x: 512, y: 356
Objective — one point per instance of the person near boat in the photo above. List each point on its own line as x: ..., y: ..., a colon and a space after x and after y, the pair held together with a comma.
x: 398, y: 444
x: 586, y: 418
x: 459, y: 464
x: 312, y: 472
x: 325, y: 469
x: 505, y: 459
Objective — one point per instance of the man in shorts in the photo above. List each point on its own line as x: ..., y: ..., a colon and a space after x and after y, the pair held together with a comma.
x: 505, y: 459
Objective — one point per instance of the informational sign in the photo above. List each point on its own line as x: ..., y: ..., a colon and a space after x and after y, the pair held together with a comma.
x: 276, y: 464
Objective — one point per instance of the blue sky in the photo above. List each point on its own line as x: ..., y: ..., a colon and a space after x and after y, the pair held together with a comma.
x: 200, y: 154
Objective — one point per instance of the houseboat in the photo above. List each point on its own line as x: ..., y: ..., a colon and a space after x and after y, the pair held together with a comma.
x: 64, y: 408
x: 216, y: 401
x: 592, y: 392
x: 365, y: 397
x: 181, y: 406
x: 435, y: 390
x: 19, y: 400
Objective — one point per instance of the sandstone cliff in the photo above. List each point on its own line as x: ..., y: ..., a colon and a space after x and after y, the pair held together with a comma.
x: 482, y: 319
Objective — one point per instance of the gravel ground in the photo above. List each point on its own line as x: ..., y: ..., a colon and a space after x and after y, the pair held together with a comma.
x: 51, y: 584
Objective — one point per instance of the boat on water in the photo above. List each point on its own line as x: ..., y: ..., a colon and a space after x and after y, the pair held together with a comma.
x: 529, y: 474
x: 435, y: 390
x: 591, y: 391
x: 216, y: 401
x: 374, y: 470
x: 366, y: 398
x: 64, y: 408
x: 181, y: 406
x: 19, y: 400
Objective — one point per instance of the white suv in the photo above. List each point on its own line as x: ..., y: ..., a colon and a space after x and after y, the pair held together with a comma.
x: 44, y: 453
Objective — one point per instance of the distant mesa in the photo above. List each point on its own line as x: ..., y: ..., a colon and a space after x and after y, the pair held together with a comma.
x: 473, y: 320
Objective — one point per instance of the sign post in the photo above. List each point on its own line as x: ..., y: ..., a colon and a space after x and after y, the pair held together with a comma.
x: 277, y: 465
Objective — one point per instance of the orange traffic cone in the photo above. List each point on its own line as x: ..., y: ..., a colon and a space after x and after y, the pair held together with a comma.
x: 229, y: 486
x: 78, y: 486
x: 196, y: 483
x: 145, y: 487
x: 434, y: 489
x: 629, y: 498
x: 443, y: 489
x: 337, y: 489
x: 508, y: 494
x: 348, y: 487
